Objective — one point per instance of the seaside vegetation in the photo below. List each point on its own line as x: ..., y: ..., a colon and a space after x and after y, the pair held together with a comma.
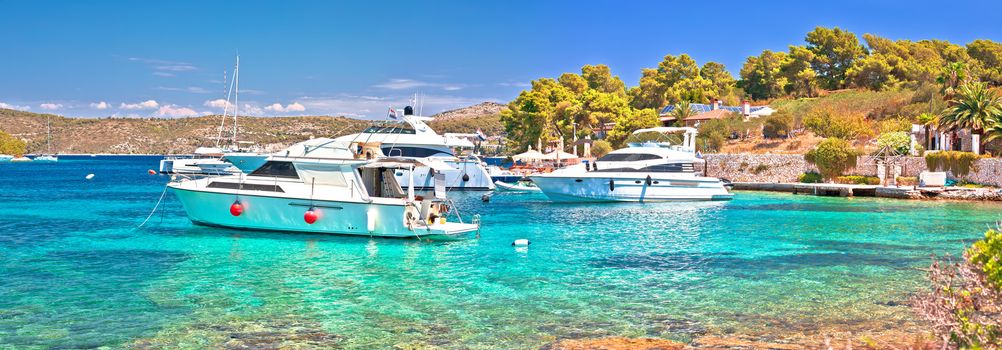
x: 811, y: 178
x: 834, y: 84
x: 832, y: 157
x: 897, y: 141
x: 11, y: 145
x: 957, y: 162
x: 964, y: 301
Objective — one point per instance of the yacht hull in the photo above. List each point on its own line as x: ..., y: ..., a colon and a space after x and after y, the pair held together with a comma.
x: 477, y: 177
x: 590, y: 188
x: 286, y: 214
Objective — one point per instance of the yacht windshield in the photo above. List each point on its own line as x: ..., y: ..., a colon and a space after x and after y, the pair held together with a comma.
x: 627, y: 157
x: 389, y: 129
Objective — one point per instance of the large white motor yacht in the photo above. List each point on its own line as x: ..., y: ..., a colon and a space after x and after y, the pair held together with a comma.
x: 643, y: 172
x: 322, y: 186
x: 410, y: 137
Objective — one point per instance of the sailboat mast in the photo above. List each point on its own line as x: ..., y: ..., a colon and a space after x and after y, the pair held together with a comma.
x: 236, y: 108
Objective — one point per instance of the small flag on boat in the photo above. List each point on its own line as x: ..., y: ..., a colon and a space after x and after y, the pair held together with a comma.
x: 393, y: 113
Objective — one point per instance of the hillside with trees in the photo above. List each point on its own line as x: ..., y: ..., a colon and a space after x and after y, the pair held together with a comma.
x: 162, y: 136
x: 831, y: 85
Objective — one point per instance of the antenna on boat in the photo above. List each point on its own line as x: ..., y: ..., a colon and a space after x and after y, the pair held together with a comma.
x: 226, y: 109
x: 236, y: 99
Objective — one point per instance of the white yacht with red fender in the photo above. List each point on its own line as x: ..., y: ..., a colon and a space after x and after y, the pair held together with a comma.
x: 321, y: 186
x: 643, y: 172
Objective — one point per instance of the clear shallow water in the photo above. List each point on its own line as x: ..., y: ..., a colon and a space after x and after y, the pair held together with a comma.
x: 75, y: 274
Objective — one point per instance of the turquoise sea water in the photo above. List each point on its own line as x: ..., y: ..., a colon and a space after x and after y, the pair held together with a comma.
x: 74, y: 273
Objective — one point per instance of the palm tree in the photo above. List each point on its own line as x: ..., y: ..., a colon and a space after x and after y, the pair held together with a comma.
x: 683, y: 109
x: 974, y: 107
x: 952, y: 76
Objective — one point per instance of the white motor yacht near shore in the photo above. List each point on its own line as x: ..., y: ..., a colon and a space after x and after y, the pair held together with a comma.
x: 642, y: 172
x: 322, y: 186
x: 410, y: 137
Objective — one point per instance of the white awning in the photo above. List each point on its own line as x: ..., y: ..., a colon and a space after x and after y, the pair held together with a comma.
x: 559, y: 155
x: 529, y: 156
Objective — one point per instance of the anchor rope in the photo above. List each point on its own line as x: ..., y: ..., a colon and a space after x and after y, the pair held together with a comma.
x: 162, y: 194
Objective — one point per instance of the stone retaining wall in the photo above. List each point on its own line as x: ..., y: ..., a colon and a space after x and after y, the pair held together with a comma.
x: 788, y: 167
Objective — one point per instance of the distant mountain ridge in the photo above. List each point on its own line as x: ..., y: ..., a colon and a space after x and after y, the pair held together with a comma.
x: 183, y: 135
x: 485, y: 116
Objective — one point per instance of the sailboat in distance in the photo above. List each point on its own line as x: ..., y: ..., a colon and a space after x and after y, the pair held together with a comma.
x: 48, y: 157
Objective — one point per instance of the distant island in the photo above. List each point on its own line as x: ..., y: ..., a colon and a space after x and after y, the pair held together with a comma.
x: 183, y: 135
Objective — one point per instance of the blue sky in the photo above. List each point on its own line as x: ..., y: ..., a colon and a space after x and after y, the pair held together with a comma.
x: 140, y: 58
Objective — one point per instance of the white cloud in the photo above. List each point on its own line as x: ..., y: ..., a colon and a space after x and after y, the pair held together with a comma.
x: 248, y: 109
x: 10, y: 106
x: 376, y: 107
x: 406, y: 84
x: 164, y: 74
x: 175, y: 111
x: 515, y: 84
x: 148, y: 104
x: 219, y: 103
x: 292, y: 107
x: 100, y: 105
x: 165, y: 65
x: 191, y: 89
x: 51, y: 106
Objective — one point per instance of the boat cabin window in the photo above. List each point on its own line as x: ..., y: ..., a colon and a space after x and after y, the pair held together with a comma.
x: 418, y: 152
x: 389, y: 129
x: 627, y: 157
x: 669, y: 168
x: 276, y: 169
x: 249, y: 187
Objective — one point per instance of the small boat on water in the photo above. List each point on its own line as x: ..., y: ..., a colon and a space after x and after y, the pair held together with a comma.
x: 48, y: 157
x: 520, y: 186
x: 503, y: 175
x: 205, y: 161
x: 643, y: 172
x: 20, y: 159
x: 5, y: 158
x: 322, y: 186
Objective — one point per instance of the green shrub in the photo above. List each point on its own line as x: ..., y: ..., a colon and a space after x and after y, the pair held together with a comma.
x: 832, y: 157
x: 777, y: 125
x: 828, y: 122
x: 907, y: 180
x: 898, y: 141
x: 714, y: 133
x: 965, y: 299
x: 810, y: 178
x: 600, y: 148
x: 858, y: 180
x: 760, y: 169
x: 987, y: 253
x: 11, y: 145
x: 957, y: 162
x: 894, y: 125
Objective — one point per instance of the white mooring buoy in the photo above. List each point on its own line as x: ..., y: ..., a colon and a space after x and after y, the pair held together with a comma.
x: 520, y: 243
x: 89, y: 176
